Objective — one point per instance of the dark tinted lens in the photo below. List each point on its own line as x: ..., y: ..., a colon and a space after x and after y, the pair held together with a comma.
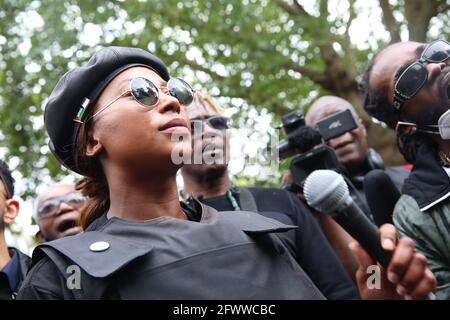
x: 144, y: 91
x: 219, y: 123
x: 181, y: 90
x: 437, y: 52
x: 411, y: 80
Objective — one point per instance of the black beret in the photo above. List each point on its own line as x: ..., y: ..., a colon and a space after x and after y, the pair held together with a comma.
x: 80, y: 88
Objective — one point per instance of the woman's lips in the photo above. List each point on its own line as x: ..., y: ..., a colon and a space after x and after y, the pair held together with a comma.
x: 177, y: 125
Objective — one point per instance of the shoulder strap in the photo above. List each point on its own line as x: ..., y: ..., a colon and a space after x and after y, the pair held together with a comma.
x: 99, y: 254
x: 246, y: 200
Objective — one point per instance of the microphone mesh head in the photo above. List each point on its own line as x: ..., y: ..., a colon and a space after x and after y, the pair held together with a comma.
x: 325, y: 190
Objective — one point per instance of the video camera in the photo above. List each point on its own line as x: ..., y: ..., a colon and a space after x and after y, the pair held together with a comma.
x: 306, y: 143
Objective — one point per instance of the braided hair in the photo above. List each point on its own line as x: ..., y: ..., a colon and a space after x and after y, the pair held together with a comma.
x: 377, y: 106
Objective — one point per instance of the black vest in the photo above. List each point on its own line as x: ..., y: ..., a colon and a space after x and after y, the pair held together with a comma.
x: 227, y: 255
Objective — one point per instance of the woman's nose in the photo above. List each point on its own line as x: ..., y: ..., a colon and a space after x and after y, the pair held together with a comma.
x: 168, y: 103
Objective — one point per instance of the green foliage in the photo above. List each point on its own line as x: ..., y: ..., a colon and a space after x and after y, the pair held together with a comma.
x: 271, y: 54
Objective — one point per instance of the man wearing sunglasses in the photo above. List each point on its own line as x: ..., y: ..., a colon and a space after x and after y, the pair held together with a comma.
x: 13, y: 263
x: 210, y: 182
x: 407, y: 86
x: 58, y: 212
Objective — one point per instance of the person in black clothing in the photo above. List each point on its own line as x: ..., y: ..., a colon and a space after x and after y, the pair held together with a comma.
x: 352, y: 148
x: 118, y: 121
x: 307, y: 244
x: 13, y: 263
x: 209, y: 182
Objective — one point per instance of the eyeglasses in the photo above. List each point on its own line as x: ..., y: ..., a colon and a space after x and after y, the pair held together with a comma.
x: 415, y: 76
x: 50, y: 207
x: 409, y: 128
x: 146, y: 93
x: 215, y: 122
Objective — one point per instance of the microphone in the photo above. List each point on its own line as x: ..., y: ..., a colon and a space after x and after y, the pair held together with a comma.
x: 381, y: 195
x: 327, y: 192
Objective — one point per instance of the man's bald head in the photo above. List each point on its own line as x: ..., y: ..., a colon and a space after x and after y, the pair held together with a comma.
x: 327, y: 106
x: 58, y: 212
x: 55, y: 191
x: 350, y: 147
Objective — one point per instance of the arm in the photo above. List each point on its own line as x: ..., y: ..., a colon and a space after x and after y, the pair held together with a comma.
x: 340, y: 241
x: 317, y: 258
x: 406, y: 277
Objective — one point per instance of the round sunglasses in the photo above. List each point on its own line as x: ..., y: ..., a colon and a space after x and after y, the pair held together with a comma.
x: 415, y: 76
x: 146, y: 93
x: 215, y: 122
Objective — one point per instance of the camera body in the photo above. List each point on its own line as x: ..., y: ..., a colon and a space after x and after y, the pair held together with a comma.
x: 307, y: 143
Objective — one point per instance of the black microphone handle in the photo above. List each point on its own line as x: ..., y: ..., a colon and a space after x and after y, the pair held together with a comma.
x: 356, y: 223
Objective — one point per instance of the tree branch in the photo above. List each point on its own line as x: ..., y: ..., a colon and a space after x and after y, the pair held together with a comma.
x: 313, y: 75
x: 351, y: 17
x: 443, y: 7
x: 296, y: 9
x: 323, y: 8
x: 389, y: 20
x: 345, y: 42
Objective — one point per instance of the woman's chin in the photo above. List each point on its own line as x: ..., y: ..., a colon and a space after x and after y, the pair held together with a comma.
x: 181, y: 154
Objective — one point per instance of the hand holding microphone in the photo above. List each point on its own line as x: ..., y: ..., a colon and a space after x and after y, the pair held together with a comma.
x: 405, y: 273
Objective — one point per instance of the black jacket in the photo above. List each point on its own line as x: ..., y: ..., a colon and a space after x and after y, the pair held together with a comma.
x: 307, y: 243
x: 428, y: 182
x: 24, y: 261
x: 223, y: 256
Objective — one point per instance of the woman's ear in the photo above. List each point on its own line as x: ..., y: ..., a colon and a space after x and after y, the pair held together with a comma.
x: 11, y: 211
x: 94, y: 146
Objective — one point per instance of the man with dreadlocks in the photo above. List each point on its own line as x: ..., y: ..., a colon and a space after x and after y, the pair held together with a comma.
x: 407, y: 86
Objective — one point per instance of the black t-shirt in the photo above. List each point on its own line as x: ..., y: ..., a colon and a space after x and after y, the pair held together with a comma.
x: 307, y: 244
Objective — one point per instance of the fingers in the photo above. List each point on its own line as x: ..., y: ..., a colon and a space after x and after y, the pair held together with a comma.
x: 401, y: 259
x: 427, y: 285
x: 388, y: 237
x: 409, y: 271
x: 413, y: 275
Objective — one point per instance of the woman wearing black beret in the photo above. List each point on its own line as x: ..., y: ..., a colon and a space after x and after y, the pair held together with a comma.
x: 117, y: 121
x: 112, y: 121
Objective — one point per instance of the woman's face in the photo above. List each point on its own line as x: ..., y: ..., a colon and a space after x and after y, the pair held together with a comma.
x: 136, y: 137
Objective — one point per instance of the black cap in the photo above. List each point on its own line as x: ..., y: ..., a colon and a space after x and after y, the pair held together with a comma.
x: 80, y: 88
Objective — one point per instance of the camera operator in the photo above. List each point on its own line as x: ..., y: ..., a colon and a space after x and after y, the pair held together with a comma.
x: 351, y: 149
x: 407, y: 86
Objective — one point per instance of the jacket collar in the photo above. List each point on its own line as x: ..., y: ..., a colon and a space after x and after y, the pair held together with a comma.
x: 428, y: 182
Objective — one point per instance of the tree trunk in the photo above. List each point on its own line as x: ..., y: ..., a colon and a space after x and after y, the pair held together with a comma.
x: 418, y: 14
